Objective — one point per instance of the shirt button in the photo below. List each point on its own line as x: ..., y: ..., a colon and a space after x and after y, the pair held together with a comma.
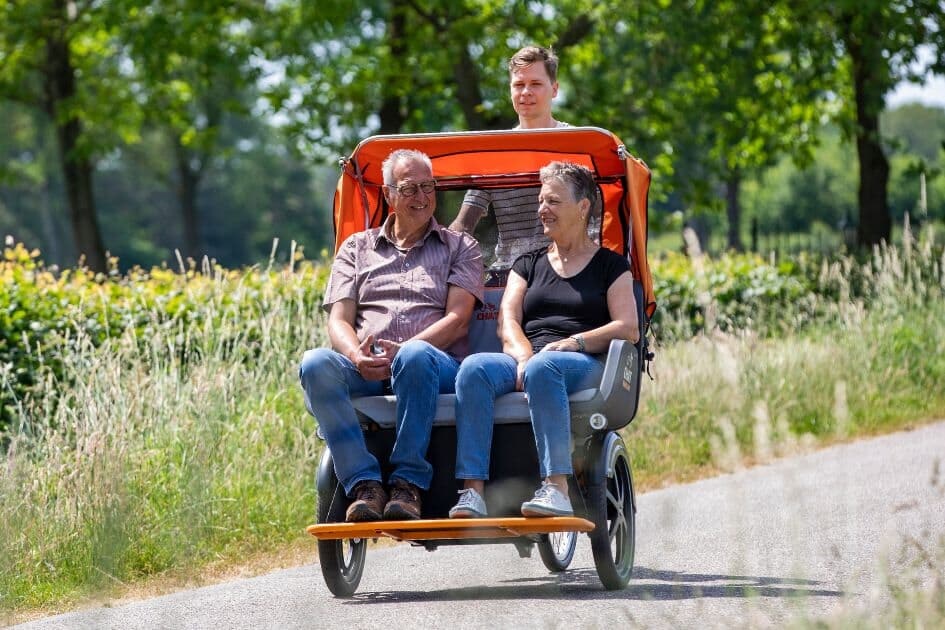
x: 400, y: 338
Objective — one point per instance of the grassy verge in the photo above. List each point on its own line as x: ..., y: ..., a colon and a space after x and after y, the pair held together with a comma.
x: 177, y: 445
x: 162, y: 455
x: 719, y: 402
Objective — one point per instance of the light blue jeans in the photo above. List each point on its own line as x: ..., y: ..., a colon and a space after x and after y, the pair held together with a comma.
x: 549, y: 377
x: 419, y: 373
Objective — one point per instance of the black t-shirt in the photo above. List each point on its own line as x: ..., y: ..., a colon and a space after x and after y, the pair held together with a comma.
x: 556, y: 307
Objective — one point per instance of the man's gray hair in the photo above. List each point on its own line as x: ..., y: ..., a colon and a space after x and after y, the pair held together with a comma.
x: 402, y: 155
x: 578, y: 179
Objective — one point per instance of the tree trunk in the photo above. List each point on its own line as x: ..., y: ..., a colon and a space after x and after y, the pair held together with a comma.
x: 869, y: 90
x: 466, y: 76
x: 188, y: 179
x: 469, y: 93
x: 392, y: 105
x: 734, y: 211
x: 59, y: 76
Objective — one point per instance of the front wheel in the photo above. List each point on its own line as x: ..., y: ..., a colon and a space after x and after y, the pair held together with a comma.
x: 557, y: 550
x: 610, y: 502
x: 341, y: 561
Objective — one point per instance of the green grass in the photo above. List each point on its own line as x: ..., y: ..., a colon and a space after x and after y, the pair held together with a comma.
x: 720, y: 400
x: 180, y: 439
x: 163, y: 453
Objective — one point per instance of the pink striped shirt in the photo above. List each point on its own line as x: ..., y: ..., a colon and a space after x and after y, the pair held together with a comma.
x: 400, y: 293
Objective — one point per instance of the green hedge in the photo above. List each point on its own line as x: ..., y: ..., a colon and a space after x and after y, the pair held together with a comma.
x: 45, y: 313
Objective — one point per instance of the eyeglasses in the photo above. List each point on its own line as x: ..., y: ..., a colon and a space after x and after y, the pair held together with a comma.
x: 409, y: 190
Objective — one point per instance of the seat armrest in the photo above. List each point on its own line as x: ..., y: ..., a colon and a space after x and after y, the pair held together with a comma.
x: 620, y: 383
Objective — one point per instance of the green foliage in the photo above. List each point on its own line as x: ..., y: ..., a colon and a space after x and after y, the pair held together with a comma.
x: 162, y: 426
x: 744, y: 292
x: 870, y: 361
x: 46, y: 317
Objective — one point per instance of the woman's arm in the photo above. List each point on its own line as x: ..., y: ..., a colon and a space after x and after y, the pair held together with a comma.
x: 622, y: 307
x: 511, y: 332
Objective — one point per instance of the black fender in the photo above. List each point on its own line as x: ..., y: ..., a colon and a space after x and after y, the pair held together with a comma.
x: 325, y: 478
x: 603, y: 459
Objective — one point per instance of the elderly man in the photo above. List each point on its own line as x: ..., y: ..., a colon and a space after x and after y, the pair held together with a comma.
x: 399, y: 300
x: 533, y: 85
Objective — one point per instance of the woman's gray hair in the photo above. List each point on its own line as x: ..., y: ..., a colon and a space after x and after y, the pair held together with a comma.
x: 402, y: 155
x: 578, y: 179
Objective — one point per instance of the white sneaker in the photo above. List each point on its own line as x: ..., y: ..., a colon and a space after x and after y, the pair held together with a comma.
x: 548, y: 501
x: 470, y: 505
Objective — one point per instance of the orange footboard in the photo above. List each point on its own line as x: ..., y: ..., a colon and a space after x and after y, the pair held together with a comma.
x: 446, y: 529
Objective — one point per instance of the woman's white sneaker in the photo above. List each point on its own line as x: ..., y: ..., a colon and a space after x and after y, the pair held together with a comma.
x: 470, y: 505
x: 548, y: 501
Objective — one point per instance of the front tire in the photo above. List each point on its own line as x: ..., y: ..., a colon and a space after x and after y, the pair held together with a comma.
x: 557, y: 550
x: 341, y: 561
x: 611, y: 504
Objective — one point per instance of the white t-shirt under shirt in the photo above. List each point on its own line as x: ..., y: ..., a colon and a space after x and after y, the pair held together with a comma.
x: 516, y: 216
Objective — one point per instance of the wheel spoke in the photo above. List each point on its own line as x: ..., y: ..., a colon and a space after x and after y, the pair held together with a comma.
x: 612, y: 500
x: 615, y: 526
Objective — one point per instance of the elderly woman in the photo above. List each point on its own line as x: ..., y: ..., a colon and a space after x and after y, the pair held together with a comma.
x: 562, y: 306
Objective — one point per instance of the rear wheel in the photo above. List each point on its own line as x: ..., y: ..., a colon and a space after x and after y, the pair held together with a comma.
x: 557, y: 550
x: 610, y: 501
x: 341, y: 561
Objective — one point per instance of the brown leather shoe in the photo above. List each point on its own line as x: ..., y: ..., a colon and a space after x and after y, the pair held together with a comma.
x: 404, y: 504
x: 369, y: 502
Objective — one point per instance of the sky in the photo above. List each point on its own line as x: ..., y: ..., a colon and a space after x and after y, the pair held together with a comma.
x: 932, y: 93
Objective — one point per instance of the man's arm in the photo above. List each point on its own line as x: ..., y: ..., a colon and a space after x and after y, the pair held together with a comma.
x: 445, y: 331
x: 344, y: 340
x: 467, y: 218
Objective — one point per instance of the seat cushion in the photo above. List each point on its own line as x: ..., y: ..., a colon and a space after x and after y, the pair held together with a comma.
x: 509, y: 409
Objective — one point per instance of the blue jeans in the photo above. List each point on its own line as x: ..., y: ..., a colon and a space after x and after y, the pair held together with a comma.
x: 549, y: 377
x: 419, y: 373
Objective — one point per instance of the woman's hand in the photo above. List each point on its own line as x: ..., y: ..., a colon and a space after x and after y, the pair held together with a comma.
x: 568, y: 344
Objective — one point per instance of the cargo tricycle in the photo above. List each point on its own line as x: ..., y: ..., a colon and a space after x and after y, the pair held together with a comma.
x: 602, y: 494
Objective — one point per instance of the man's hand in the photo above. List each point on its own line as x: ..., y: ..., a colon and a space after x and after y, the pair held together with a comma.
x: 520, y: 376
x: 373, y: 367
x: 387, y: 349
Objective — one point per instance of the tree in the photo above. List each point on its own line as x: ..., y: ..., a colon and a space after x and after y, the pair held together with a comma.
x: 392, y: 66
x: 200, y: 73
x: 709, y: 92
x: 59, y: 56
x: 874, y: 44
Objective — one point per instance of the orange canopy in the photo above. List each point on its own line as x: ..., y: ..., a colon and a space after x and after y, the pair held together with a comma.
x: 506, y: 159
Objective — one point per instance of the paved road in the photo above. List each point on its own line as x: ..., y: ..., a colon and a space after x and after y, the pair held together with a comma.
x: 802, y: 536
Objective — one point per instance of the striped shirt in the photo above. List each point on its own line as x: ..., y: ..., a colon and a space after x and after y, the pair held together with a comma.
x: 400, y: 293
x: 516, y: 217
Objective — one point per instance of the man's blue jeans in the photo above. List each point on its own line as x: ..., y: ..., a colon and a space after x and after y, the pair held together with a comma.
x: 419, y: 373
x: 549, y: 377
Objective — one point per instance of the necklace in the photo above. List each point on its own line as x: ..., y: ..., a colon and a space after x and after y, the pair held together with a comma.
x: 564, y: 258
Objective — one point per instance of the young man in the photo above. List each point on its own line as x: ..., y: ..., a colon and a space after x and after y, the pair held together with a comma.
x: 533, y: 84
x: 400, y: 298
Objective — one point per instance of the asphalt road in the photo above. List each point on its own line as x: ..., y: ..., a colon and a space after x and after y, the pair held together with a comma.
x: 799, y: 537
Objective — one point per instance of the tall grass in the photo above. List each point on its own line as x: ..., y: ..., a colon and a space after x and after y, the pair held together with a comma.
x: 169, y: 451
x: 178, y: 436
x: 870, y: 358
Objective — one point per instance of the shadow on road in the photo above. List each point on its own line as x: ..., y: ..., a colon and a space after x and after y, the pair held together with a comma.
x: 646, y: 584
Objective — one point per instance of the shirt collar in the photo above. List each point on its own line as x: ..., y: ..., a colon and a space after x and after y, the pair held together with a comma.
x: 384, y: 232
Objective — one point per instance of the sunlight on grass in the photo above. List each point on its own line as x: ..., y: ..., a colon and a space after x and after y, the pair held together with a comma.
x: 159, y: 426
